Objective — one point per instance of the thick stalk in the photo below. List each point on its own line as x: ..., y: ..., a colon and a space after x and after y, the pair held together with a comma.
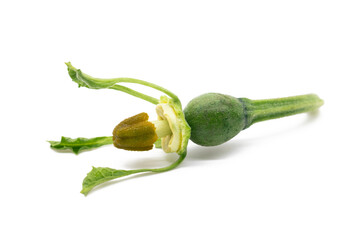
x: 262, y: 110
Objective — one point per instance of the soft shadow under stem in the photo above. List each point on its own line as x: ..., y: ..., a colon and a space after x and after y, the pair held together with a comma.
x: 217, y: 152
x: 310, y: 117
x: 154, y: 162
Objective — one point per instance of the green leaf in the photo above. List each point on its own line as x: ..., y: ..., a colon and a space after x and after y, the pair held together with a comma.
x: 84, y: 80
x: 79, y: 144
x: 101, y: 175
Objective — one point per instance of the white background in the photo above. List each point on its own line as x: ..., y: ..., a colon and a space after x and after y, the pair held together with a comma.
x: 292, y: 178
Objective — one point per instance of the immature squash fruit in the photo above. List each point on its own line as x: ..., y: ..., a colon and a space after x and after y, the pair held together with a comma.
x: 214, y: 118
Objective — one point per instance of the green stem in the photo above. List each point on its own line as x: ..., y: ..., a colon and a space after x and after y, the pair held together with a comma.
x: 148, y: 84
x: 262, y: 110
x: 135, y: 94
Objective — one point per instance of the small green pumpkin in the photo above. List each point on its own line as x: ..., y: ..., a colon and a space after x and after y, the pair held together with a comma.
x: 214, y: 118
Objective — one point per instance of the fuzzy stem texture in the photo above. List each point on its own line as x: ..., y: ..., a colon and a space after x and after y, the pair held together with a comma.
x: 262, y: 110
